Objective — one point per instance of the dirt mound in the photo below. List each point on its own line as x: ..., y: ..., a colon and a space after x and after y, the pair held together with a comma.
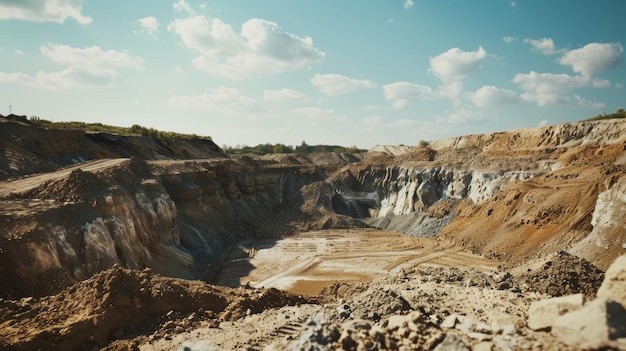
x: 422, y: 153
x: 564, y: 274
x: 120, y: 304
x: 79, y: 186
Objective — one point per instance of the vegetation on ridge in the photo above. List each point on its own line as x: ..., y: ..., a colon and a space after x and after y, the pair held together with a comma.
x: 620, y: 113
x: 267, y: 148
x: 134, y: 130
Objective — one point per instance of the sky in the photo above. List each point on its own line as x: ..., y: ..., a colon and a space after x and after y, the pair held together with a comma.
x: 351, y: 73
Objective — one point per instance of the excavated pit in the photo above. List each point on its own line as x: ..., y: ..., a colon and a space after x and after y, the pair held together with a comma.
x: 319, y: 225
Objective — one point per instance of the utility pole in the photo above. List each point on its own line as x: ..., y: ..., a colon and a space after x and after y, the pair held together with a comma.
x: 10, y: 109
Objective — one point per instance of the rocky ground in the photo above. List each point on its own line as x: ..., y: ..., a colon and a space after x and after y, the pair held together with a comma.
x: 428, y: 307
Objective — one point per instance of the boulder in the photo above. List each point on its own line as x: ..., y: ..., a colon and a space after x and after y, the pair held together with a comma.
x: 599, y: 322
x: 543, y: 313
x: 452, y: 343
x: 614, y: 285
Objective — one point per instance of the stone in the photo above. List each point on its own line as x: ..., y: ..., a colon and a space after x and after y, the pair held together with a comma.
x: 450, y: 321
x: 469, y: 325
x: 541, y: 314
x: 483, y: 346
x: 452, y: 343
x: 614, y: 285
x: 600, y: 321
x: 396, y: 322
x: 410, y: 320
x: 500, y: 321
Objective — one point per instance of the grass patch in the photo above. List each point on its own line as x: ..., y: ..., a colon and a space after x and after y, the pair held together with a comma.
x: 135, y: 130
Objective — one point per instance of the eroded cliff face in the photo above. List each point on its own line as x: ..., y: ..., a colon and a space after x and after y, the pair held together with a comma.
x: 511, y: 196
x: 175, y: 217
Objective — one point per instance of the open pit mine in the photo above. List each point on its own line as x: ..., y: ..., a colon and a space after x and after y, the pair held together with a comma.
x: 500, y: 241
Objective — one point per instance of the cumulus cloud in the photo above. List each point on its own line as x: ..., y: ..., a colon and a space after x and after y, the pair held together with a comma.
x: 92, y: 56
x: 87, y: 67
x: 44, y: 11
x: 588, y: 103
x: 183, y: 6
x: 507, y: 39
x: 399, y: 93
x: 545, y: 46
x: 148, y: 25
x: 455, y: 63
x: 225, y: 100
x: 261, y: 48
x: 489, y: 96
x: 550, y: 89
x: 593, y: 58
x: 543, y: 123
x: 284, y: 95
x: 406, y: 90
x: 408, y: 4
x: 336, y: 84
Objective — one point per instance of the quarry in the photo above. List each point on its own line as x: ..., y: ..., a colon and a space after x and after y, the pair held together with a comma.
x: 500, y: 241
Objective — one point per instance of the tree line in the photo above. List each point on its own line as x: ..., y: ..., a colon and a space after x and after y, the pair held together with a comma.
x: 268, y: 148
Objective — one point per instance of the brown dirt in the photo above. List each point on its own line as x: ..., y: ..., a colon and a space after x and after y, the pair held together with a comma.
x: 564, y: 274
x: 120, y: 304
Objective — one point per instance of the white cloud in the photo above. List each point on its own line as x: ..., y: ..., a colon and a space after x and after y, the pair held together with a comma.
x: 507, y: 39
x: 513, y: 4
x: 549, y: 82
x: 451, y: 90
x: 284, y: 95
x: 318, y: 113
x: 262, y: 47
x: 545, y: 46
x: 222, y: 100
x: 543, y: 123
x: 464, y: 116
x: 406, y: 90
x: 408, y: 4
x: 600, y: 83
x: 43, y: 11
x: 183, y: 6
x: 593, y: 58
x: 489, y: 95
x: 587, y: 103
x: 400, y: 104
x: 550, y: 89
x: 87, y: 67
x: 619, y: 85
x: 71, y: 77
x: 92, y: 56
x: 148, y: 25
x: 545, y: 99
x: 456, y: 63
x: 336, y: 84
x: 19, y: 52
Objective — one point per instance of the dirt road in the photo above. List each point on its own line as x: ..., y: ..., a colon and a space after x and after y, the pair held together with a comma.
x: 28, y: 183
x: 307, y: 262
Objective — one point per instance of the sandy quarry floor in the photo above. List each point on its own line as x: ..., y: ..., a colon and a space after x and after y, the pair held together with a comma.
x: 308, y: 262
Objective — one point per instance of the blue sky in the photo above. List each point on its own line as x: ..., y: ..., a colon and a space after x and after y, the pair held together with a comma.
x: 326, y: 72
